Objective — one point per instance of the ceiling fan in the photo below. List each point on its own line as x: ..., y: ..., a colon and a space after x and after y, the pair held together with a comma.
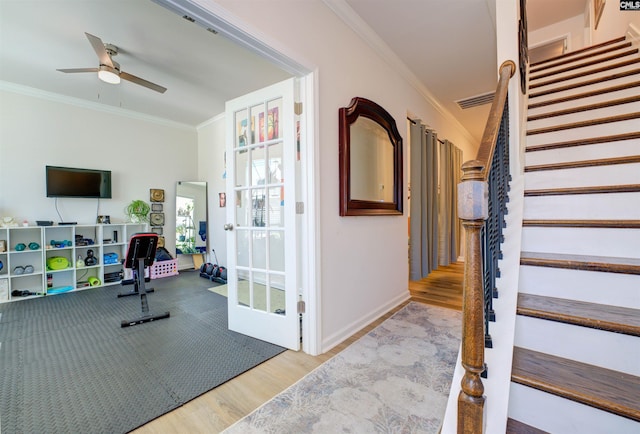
x: 109, y: 70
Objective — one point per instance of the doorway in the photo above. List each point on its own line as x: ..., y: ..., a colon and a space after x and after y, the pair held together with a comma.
x: 212, y: 17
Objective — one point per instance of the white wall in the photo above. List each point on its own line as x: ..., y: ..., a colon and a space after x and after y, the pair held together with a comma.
x: 211, y: 168
x: 141, y: 154
x: 573, y: 27
x: 614, y: 22
x: 364, y: 264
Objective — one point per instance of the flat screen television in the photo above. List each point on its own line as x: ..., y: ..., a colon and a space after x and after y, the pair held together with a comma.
x: 73, y: 182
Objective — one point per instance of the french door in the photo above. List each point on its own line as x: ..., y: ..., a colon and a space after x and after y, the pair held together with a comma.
x: 261, y: 226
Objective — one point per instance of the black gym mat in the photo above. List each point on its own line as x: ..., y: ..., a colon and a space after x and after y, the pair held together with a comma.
x: 68, y: 367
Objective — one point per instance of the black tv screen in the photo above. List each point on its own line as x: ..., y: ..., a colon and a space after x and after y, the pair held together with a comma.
x: 71, y: 182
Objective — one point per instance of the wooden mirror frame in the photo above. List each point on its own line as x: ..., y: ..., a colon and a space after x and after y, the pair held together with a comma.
x: 347, y: 116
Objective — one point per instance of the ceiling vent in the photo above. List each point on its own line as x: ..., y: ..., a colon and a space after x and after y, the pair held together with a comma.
x: 475, y: 101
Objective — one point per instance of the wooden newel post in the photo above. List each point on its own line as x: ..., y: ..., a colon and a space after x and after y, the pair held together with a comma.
x: 473, y: 211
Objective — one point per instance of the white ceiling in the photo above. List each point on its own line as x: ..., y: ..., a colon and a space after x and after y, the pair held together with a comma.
x: 440, y: 41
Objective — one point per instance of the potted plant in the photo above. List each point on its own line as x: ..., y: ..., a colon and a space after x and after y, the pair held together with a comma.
x: 138, y: 211
x: 181, y: 230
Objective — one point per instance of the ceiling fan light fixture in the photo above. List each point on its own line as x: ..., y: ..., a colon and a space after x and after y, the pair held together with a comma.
x: 108, y: 74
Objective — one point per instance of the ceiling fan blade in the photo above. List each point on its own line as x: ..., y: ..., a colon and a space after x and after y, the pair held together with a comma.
x: 78, y: 70
x: 142, y: 82
x: 98, y: 47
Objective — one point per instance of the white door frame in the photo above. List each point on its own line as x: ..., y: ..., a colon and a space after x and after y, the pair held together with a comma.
x: 209, y: 14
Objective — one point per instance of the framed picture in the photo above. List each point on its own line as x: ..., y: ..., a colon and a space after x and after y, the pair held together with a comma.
x: 157, y: 230
x: 156, y: 207
x: 156, y: 195
x: 161, y: 241
x: 103, y: 219
x: 156, y: 218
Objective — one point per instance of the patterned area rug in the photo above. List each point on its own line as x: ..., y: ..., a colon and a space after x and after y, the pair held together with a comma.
x: 396, y: 379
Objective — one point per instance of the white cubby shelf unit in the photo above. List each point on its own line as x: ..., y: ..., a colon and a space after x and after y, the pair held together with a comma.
x: 25, y: 269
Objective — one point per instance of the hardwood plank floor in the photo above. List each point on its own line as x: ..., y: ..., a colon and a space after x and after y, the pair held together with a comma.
x: 221, y: 407
x: 443, y: 287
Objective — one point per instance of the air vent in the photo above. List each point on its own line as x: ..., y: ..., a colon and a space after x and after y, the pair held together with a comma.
x: 476, y: 101
x: 188, y: 18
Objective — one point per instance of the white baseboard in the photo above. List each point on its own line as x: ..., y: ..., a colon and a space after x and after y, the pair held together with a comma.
x: 360, y: 323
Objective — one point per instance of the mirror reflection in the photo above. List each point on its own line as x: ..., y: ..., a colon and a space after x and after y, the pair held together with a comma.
x: 371, y: 162
x: 191, y: 217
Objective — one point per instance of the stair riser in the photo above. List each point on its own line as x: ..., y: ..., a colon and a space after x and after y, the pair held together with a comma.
x: 585, y: 116
x: 620, y: 127
x: 558, y: 415
x: 542, y: 87
x: 570, y: 60
x: 616, y: 289
x: 579, y: 68
x: 617, y: 174
x: 535, y: 95
x: 596, y: 347
x: 611, y: 206
x: 584, y: 152
x: 609, y: 96
x: 622, y: 243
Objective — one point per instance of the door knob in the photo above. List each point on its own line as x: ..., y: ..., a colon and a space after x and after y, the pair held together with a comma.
x: 228, y: 227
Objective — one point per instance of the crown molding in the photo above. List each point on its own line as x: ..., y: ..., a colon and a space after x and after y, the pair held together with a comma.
x: 362, y: 29
x: 90, y: 105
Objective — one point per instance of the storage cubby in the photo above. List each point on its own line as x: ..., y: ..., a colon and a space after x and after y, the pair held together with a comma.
x: 42, y: 261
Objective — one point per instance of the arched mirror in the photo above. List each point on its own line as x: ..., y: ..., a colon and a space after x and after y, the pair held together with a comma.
x: 370, y: 156
x: 191, y: 218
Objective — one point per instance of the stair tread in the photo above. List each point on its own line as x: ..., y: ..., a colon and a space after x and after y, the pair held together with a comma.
x: 603, y: 317
x: 604, y: 68
x: 587, y: 123
x: 584, y: 108
x: 581, y: 262
x: 516, y: 427
x: 611, y: 391
x: 598, y: 80
x: 584, y: 163
x: 577, y: 56
x: 582, y: 95
x: 598, y: 189
x: 584, y: 142
x: 625, y: 224
x: 591, y: 62
x: 581, y: 50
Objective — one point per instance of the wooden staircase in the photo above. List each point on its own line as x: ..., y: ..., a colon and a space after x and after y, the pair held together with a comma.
x: 576, y: 363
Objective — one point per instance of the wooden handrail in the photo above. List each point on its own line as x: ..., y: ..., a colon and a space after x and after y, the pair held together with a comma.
x: 473, y: 211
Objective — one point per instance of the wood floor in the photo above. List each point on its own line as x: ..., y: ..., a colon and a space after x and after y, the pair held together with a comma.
x: 221, y: 407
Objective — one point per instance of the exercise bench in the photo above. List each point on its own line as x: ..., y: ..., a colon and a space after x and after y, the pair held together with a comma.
x: 140, y: 255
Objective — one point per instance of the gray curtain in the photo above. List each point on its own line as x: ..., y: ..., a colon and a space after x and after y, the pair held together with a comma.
x: 450, y: 160
x: 423, y: 229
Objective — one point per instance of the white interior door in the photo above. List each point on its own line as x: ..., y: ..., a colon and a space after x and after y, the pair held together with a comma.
x: 261, y: 227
